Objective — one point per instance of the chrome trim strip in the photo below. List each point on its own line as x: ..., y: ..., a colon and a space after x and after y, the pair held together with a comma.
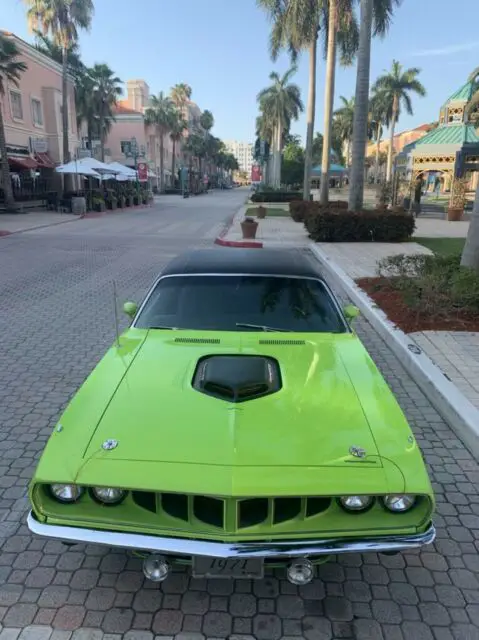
x: 190, y: 547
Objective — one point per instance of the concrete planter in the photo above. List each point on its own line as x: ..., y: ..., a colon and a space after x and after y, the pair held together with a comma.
x: 249, y: 228
x: 454, y: 214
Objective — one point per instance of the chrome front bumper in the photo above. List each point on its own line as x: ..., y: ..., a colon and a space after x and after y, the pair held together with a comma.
x: 187, y: 547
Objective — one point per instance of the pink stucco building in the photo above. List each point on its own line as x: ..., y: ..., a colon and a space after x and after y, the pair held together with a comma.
x: 129, y: 124
x: 32, y: 112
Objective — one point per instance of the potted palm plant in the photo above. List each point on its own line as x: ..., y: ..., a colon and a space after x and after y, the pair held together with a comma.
x: 458, y: 200
x: 249, y: 227
x: 98, y: 202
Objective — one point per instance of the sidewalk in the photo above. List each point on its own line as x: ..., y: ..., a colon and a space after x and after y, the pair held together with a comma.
x: 455, y: 353
x: 19, y: 222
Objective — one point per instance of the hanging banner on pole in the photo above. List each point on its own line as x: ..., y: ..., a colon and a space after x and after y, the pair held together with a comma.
x: 255, y: 173
x: 142, y: 171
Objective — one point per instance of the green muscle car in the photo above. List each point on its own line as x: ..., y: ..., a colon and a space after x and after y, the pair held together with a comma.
x: 238, y: 424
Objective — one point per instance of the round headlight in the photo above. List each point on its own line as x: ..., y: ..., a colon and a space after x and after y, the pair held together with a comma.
x: 356, y: 503
x: 66, y: 492
x: 399, y: 504
x: 108, y: 495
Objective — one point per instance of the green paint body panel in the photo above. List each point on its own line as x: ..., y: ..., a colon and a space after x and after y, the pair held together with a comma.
x: 296, y: 442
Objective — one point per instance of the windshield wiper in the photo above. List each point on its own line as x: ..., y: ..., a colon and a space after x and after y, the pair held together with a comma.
x: 260, y: 327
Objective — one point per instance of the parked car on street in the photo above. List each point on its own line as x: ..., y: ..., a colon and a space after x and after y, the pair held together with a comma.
x: 237, y: 424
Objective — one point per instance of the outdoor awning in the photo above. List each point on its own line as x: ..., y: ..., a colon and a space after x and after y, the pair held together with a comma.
x: 44, y: 161
x: 25, y: 162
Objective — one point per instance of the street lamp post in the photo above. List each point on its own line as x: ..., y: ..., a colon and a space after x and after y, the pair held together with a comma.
x: 135, y: 152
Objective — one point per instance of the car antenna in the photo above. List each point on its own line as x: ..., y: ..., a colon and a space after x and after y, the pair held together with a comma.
x: 115, y: 312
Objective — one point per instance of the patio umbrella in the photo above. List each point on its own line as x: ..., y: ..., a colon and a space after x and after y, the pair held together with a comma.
x: 121, y: 169
x: 96, y: 165
x: 77, y: 169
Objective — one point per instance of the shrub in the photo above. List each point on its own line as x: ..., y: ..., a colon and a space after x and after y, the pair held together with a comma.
x: 298, y: 209
x: 334, y: 224
x: 276, y: 196
x: 433, y: 284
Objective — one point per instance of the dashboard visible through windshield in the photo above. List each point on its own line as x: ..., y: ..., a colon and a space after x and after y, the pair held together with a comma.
x: 241, y: 303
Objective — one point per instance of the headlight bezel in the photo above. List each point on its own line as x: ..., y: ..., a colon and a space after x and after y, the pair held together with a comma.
x: 415, y: 500
x: 372, y: 502
x: 55, y: 496
x: 107, y: 503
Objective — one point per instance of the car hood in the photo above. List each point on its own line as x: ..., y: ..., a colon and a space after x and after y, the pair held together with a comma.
x: 155, y: 415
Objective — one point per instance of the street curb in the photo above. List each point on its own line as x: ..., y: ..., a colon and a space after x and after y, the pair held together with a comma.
x: 245, y: 244
x: 4, y: 234
x: 443, y: 394
x: 238, y: 243
x: 109, y: 212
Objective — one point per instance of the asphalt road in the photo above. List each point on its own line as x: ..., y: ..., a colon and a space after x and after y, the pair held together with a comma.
x: 56, y: 321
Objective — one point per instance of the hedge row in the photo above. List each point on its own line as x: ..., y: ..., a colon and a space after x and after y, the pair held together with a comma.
x: 277, y: 196
x: 335, y: 223
x: 367, y: 226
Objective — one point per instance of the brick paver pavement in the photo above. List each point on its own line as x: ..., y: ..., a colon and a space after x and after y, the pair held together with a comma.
x: 56, y: 322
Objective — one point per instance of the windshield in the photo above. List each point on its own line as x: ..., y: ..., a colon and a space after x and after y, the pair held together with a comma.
x: 241, y: 303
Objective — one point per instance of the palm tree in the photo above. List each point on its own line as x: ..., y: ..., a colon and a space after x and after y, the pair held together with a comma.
x: 46, y: 46
x: 62, y: 19
x: 281, y: 103
x: 396, y: 86
x: 10, y: 71
x: 343, y: 31
x: 343, y: 124
x: 207, y: 120
x: 375, y: 18
x: 106, y: 91
x: 160, y: 114
x: 180, y: 95
x: 296, y: 25
x: 86, y: 108
x: 379, y: 118
x: 177, y: 128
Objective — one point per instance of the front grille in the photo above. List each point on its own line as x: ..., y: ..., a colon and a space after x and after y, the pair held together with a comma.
x: 231, y: 514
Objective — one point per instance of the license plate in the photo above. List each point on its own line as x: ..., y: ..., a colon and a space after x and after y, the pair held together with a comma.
x: 205, y: 567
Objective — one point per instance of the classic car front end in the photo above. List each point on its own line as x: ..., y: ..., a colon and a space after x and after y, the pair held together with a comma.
x: 234, y: 450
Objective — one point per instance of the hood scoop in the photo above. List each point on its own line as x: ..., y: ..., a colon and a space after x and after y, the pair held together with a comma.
x: 237, y: 378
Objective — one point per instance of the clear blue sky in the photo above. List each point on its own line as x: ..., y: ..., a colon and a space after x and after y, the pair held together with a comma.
x: 220, y: 48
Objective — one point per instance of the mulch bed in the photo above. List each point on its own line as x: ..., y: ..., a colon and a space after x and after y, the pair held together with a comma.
x: 410, y: 320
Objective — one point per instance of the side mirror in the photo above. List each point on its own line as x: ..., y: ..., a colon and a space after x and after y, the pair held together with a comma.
x: 351, y: 312
x: 130, y: 308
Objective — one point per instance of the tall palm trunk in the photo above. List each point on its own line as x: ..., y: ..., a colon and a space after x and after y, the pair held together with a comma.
x: 66, y: 148
x: 361, y: 108
x: 378, y: 151
x: 328, y: 103
x: 470, y: 254
x: 101, y: 124
x: 5, y: 168
x: 162, y: 150
x: 67, y: 180
x: 389, y: 170
x: 308, y: 155
x: 173, y: 159
x: 277, y: 162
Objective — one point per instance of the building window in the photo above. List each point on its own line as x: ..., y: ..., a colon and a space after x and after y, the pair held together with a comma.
x: 37, y: 114
x: 16, y: 101
x: 125, y: 146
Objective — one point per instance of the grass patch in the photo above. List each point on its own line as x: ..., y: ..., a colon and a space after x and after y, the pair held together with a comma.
x: 271, y: 212
x: 443, y: 246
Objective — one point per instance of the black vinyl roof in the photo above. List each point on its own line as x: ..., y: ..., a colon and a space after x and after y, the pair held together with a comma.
x: 288, y: 262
